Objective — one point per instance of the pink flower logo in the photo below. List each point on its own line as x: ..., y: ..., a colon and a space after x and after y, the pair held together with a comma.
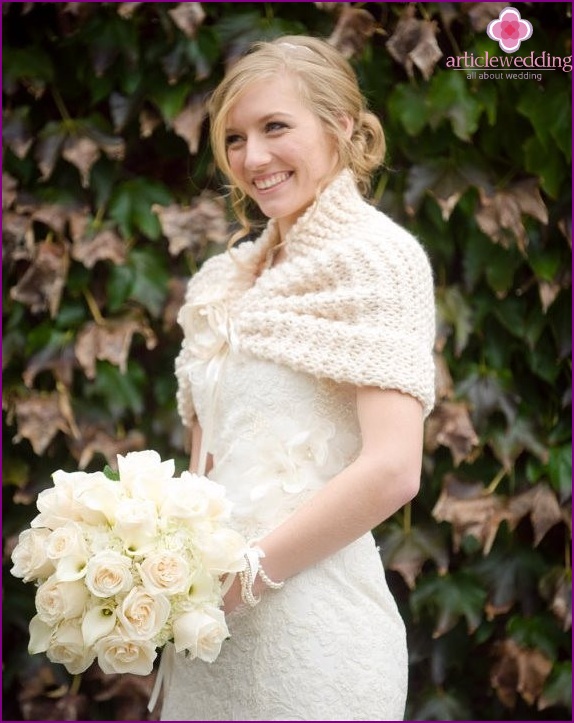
x: 509, y: 29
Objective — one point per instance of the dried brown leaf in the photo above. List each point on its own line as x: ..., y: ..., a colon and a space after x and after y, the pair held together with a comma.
x: 444, y: 386
x: 176, y: 288
x: 104, y: 246
x: 414, y: 43
x: 353, y: 29
x: 548, y: 291
x: 43, y: 282
x: 59, y: 361
x: 556, y: 588
x: 187, y: 124
x: 541, y: 505
x: 47, y: 151
x: 40, y: 416
x: 149, y: 121
x: 111, y: 342
x: 93, y: 439
x: 188, y: 17
x: 16, y: 135
x: 9, y: 193
x: 329, y: 7
x: 52, y: 215
x: 192, y: 228
x: 17, y: 237
x: 450, y: 426
x: 499, y: 215
x: 126, y: 10
x: 471, y: 510
x: 81, y: 152
x: 519, y: 670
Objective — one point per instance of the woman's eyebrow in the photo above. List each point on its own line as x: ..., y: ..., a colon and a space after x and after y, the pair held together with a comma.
x: 265, y: 118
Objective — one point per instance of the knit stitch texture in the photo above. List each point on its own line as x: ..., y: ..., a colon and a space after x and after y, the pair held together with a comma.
x: 352, y: 301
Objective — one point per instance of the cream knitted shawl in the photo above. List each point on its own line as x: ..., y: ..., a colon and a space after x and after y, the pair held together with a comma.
x: 352, y: 301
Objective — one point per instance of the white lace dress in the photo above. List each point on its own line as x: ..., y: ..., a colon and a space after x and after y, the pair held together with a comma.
x: 330, y: 645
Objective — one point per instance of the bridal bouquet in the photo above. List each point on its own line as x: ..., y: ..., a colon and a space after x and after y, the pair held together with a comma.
x: 125, y: 562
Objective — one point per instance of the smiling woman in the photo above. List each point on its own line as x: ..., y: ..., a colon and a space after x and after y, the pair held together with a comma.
x: 305, y: 375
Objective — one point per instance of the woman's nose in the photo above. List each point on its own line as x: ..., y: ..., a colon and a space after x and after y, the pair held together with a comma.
x: 256, y: 153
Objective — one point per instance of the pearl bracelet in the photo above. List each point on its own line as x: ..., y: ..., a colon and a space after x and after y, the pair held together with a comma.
x: 249, y: 573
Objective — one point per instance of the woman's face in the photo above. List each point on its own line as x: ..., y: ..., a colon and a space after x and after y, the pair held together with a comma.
x: 278, y: 150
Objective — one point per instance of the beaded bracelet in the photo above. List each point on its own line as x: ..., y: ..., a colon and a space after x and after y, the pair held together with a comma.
x: 249, y: 573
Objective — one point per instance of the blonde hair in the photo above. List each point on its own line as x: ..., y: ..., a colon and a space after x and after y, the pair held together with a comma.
x: 328, y: 86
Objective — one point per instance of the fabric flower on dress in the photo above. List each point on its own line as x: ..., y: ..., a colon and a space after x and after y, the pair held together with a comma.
x: 206, y: 327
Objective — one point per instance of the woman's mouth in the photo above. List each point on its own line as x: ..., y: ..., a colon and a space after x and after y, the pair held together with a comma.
x: 264, y: 184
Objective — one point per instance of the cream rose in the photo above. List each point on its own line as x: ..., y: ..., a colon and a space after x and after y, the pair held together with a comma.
x: 118, y: 654
x: 223, y: 551
x: 66, y: 541
x: 68, y: 648
x: 201, y: 633
x: 165, y: 572
x: 143, y: 615
x: 96, y: 498
x: 57, y: 505
x: 29, y: 556
x: 108, y: 573
x: 136, y: 524
x: 56, y: 601
x: 145, y: 475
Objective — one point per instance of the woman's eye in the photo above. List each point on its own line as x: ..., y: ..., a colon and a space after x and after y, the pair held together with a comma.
x: 275, y: 126
x: 232, y: 140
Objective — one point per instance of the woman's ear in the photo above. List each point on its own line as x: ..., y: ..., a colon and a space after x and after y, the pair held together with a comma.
x: 347, y: 124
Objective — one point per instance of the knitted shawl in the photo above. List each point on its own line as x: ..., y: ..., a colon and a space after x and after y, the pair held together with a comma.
x: 352, y: 301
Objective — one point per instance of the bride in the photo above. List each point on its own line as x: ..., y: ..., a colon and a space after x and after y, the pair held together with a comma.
x: 305, y: 375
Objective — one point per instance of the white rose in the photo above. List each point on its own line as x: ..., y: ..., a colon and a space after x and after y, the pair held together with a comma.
x: 206, y: 498
x: 66, y: 541
x: 143, y: 615
x: 223, y: 551
x: 118, y: 654
x: 96, y: 497
x: 201, y: 633
x: 57, y: 600
x: 136, y: 524
x: 57, y: 505
x: 68, y: 648
x: 29, y: 556
x: 108, y: 573
x: 145, y: 475
x: 165, y: 572
x: 98, y: 622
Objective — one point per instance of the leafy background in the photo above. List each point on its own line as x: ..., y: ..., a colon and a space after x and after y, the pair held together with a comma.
x: 110, y: 203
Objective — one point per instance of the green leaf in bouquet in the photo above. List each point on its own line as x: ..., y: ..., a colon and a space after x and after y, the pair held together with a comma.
x: 111, y: 474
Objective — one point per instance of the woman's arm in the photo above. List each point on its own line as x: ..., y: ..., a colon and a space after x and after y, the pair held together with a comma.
x: 196, y: 435
x: 384, y: 477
